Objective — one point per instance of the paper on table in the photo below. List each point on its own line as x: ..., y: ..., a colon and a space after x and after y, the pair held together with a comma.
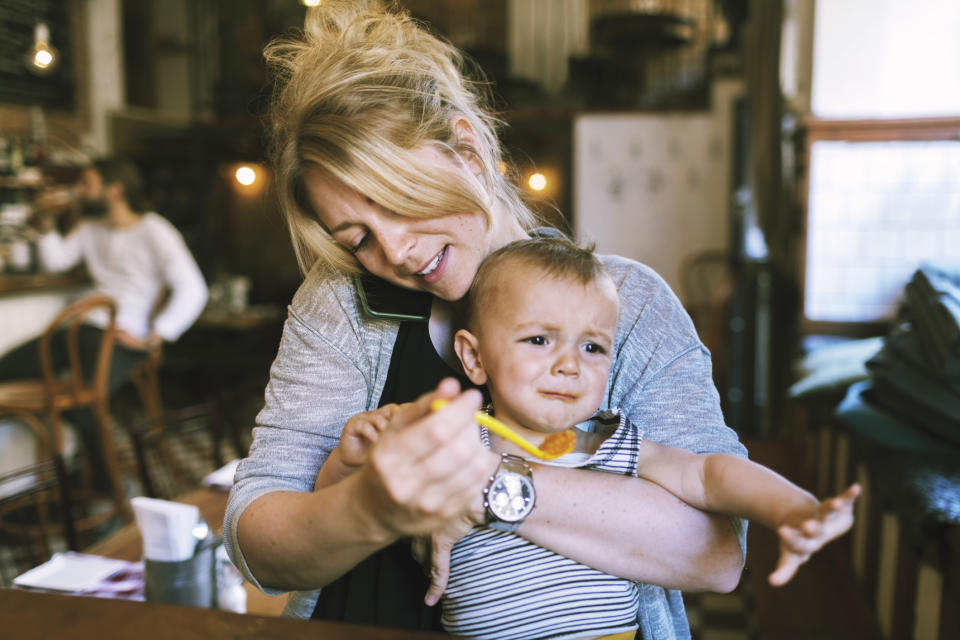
x: 70, y: 572
x: 166, y: 528
x: 222, y: 478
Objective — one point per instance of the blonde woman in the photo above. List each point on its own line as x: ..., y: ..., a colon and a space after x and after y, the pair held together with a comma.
x: 386, y: 164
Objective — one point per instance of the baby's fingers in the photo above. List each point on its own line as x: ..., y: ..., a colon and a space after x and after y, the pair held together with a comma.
x: 786, y: 569
x: 842, y: 502
x: 852, y: 492
x: 368, y: 432
x: 379, y: 422
x: 796, y: 539
x: 811, y: 528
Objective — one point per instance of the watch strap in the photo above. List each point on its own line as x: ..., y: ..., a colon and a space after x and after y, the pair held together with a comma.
x: 509, y: 463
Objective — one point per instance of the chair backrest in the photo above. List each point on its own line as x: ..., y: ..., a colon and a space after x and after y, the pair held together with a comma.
x: 707, y: 280
x: 70, y: 319
x: 36, y: 516
x: 175, y: 455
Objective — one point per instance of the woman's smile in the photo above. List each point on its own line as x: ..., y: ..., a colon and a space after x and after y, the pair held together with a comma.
x: 439, y: 255
x: 434, y: 271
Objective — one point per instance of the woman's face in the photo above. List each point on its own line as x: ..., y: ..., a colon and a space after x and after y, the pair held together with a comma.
x: 437, y: 255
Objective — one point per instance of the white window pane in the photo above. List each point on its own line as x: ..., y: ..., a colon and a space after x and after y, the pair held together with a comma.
x: 866, y: 237
x: 886, y: 59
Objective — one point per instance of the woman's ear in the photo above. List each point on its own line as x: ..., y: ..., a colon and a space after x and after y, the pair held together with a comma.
x: 467, y: 137
x: 465, y: 344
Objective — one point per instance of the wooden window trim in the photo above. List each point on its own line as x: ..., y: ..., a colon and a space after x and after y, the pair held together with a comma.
x: 890, y: 130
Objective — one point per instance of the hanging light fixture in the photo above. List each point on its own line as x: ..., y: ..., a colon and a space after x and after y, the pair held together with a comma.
x: 43, y: 57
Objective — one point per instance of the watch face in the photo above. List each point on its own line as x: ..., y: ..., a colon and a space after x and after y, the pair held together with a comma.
x: 510, y: 497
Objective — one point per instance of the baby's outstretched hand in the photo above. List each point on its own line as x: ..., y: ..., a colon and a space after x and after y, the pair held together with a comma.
x: 803, y: 534
x: 361, y: 432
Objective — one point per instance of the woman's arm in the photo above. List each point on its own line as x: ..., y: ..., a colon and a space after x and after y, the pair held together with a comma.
x: 424, y: 471
x: 632, y: 528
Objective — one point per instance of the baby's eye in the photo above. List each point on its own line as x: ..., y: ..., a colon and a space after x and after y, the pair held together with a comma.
x: 593, y: 347
x: 537, y: 340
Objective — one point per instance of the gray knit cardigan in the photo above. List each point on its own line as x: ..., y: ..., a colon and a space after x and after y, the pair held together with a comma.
x: 332, y: 364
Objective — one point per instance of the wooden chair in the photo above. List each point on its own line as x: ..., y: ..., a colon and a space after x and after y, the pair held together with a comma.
x: 36, y: 509
x: 708, y: 279
x: 57, y: 392
x: 163, y: 468
x: 145, y: 377
x: 174, y: 454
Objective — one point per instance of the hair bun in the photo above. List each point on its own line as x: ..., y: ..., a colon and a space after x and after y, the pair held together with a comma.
x: 336, y: 18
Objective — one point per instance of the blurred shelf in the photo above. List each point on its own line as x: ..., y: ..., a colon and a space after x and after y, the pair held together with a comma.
x: 38, y: 282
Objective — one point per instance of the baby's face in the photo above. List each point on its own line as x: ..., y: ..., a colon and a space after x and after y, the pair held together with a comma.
x: 545, y: 344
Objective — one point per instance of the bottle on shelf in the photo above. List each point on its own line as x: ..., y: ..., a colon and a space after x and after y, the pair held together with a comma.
x: 6, y: 169
x: 16, y: 156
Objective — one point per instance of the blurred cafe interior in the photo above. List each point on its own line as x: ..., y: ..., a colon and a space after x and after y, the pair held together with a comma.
x: 791, y: 168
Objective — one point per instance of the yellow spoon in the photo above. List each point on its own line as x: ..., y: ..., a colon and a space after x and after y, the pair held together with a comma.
x: 553, y: 446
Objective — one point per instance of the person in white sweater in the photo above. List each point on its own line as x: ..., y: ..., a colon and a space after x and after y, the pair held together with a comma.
x: 136, y: 257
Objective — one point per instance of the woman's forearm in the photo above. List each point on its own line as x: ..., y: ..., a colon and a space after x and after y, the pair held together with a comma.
x: 634, y: 529
x: 296, y: 540
x: 424, y: 471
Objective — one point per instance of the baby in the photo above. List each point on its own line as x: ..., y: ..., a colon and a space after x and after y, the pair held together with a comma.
x: 542, y: 323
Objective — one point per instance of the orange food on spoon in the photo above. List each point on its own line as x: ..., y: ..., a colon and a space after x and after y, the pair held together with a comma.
x: 557, y: 444
x: 553, y: 446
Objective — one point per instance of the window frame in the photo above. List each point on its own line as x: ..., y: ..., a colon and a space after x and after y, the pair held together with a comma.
x: 934, y: 129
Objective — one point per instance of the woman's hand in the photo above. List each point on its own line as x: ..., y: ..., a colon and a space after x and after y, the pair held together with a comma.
x: 433, y: 554
x: 427, y: 468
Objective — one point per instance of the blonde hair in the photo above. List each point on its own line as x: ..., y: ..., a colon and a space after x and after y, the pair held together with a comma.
x: 360, y: 88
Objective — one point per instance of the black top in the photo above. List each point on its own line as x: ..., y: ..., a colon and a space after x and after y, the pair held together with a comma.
x: 388, y: 587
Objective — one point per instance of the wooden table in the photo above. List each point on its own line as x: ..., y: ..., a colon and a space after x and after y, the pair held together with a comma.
x: 41, y: 615
x: 28, y: 614
x: 126, y: 544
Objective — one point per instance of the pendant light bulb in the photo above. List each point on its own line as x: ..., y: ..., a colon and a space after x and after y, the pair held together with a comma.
x: 42, y: 58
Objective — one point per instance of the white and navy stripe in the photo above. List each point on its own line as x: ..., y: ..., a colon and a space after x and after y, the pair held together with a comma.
x: 503, y: 586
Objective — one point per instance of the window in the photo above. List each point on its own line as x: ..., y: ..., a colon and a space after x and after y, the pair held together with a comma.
x: 883, y: 155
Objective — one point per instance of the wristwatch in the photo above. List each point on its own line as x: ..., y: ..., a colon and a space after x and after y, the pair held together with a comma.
x: 509, y: 496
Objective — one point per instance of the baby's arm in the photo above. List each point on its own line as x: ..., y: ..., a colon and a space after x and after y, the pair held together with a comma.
x: 732, y: 485
x: 359, y: 434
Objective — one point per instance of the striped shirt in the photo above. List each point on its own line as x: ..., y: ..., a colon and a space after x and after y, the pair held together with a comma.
x: 504, y: 586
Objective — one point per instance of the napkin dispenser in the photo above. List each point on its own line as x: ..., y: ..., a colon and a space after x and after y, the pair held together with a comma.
x: 178, y: 553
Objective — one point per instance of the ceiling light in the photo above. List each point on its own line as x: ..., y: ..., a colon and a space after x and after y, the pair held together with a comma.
x: 246, y: 175
x: 537, y: 182
x: 42, y: 58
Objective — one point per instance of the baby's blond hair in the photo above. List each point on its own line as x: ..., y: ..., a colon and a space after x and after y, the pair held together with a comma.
x: 552, y: 257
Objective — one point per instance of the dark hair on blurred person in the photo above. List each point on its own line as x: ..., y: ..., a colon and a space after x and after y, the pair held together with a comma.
x: 124, y: 171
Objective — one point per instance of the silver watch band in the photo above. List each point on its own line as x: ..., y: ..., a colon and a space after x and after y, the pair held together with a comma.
x: 510, y: 465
